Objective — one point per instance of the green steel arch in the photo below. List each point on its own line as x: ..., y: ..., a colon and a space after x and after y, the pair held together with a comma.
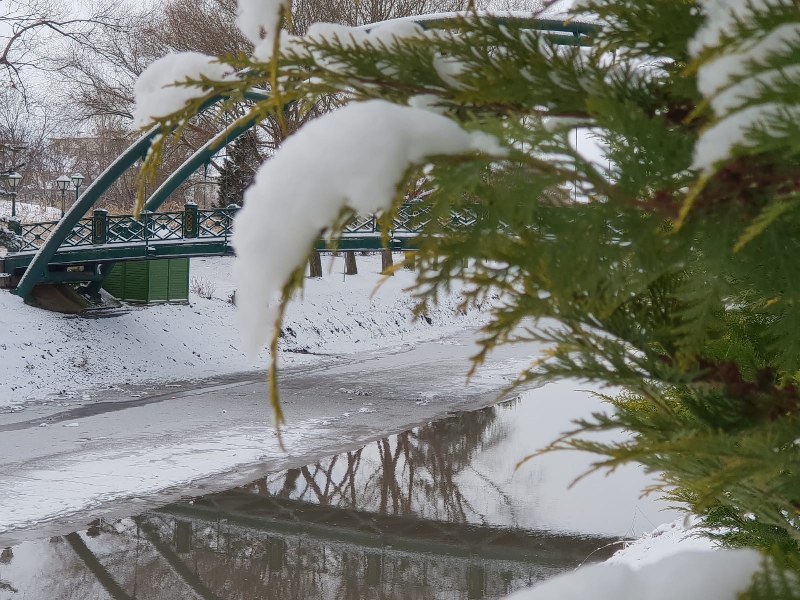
x: 37, y: 270
x: 568, y: 33
x: 202, y: 156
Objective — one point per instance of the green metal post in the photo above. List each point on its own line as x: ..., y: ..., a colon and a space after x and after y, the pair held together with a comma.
x: 230, y: 213
x: 100, y: 226
x: 144, y: 217
x: 191, y: 226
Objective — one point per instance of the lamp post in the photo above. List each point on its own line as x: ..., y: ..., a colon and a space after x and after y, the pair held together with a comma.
x: 62, y: 183
x: 13, y: 181
x: 77, y: 180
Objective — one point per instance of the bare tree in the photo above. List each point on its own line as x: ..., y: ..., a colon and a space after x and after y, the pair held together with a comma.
x: 30, y: 28
x: 25, y: 128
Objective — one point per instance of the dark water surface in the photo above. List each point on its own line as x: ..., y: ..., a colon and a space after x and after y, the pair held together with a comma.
x: 428, y: 513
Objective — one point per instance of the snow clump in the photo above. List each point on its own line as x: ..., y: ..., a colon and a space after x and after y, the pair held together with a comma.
x: 690, y: 575
x: 259, y: 21
x: 159, y: 91
x: 352, y: 158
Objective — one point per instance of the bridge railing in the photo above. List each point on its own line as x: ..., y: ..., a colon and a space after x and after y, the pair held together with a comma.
x: 34, y: 235
x: 102, y: 228
x: 410, y: 219
x: 193, y: 223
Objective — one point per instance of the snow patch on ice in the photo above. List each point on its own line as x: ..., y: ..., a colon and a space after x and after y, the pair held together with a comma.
x: 111, y: 476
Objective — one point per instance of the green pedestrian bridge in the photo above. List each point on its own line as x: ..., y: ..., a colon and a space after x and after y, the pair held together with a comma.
x: 96, y: 242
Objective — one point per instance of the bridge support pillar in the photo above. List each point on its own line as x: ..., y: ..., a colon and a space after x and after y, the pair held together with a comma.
x: 350, y: 267
x: 386, y: 262
x: 315, y: 265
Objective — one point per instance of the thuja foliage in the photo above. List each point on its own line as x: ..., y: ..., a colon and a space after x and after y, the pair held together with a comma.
x: 651, y: 270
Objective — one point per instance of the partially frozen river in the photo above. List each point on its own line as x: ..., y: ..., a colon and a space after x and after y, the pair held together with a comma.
x: 181, y: 491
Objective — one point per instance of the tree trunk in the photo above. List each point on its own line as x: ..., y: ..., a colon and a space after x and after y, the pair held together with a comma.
x: 386, y: 262
x: 315, y: 265
x: 350, y: 267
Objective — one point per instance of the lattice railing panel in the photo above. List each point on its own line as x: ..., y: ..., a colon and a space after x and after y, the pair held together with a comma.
x: 215, y: 223
x: 461, y: 218
x: 124, y: 229
x: 361, y: 224
x: 81, y: 234
x: 164, y: 226
x: 409, y: 218
x: 35, y: 234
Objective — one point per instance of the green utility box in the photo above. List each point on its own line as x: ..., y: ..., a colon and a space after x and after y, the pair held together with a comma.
x: 161, y: 280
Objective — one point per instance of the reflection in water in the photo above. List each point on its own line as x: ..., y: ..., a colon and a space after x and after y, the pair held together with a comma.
x: 412, y: 473
x: 388, y: 520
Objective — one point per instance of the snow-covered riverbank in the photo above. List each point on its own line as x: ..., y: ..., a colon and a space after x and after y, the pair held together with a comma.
x: 45, y: 355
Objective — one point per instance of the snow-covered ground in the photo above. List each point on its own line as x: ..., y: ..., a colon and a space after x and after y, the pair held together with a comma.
x: 688, y: 575
x: 664, y: 541
x: 46, y: 355
x: 30, y: 213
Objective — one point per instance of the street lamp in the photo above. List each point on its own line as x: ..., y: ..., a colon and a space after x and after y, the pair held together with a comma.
x: 13, y: 181
x: 77, y: 180
x: 62, y: 183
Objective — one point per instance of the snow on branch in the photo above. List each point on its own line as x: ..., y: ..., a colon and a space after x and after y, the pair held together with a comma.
x: 159, y: 90
x: 352, y: 158
x: 259, y: 21
x: 743, y: 70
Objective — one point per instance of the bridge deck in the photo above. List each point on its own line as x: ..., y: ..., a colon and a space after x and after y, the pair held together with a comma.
x: 16, y: 263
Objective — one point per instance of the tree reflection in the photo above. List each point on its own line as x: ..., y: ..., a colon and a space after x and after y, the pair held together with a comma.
x: 412, y: 473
